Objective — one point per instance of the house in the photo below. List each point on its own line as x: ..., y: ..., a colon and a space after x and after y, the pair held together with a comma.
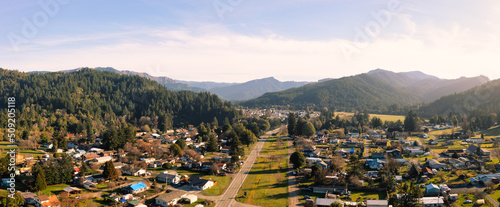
x: 136, y: 203
x: 89, y: 184
x: 453, y: 197
x: 101, y: 160
x: 148, y: 160
x: 72, y: 190
x: 432, y: 189
x: 172, y: 198
x: 136, y: 188
x: 96, y: 150
x: 427, y: 171
x: 416, y: 152
x: 485, y: 178
x: 199, y: 183
x: 432, y: 142
x: 29, y: 198
x: 326, y: 202
x: 377, y: 203
x: 119, y: 165
x: 90, y: 156
x: 456, y: 163
x: 127, y: 170
x: 432, y: 201
x: 459, y: 152
x: 48, y: 145
x: 169, y: 177
x: 394, y: 153
x: 475, y: 140
x: 45, y: 201
x: 189, y: 199
x: 434, y: 164
x: 473, y: 149
x: 375, y: 164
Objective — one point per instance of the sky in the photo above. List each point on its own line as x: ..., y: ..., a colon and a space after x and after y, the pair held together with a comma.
x: 241, y: 40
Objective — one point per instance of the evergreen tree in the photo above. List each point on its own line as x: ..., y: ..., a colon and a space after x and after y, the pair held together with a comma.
x: 39, y: 175
x: 109, y: 172
x: 182, y: 143
x: 297, y: 159
x: 213, y: 145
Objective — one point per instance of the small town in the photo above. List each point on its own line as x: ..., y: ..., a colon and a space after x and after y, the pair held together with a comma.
x: 237, y: 103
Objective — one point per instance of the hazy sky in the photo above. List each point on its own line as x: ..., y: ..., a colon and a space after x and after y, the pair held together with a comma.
x: 239, y: 40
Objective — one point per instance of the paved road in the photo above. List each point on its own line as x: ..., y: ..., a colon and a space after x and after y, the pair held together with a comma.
x: 293, y: 189
x: 227, y: 199
x: 493, y: 201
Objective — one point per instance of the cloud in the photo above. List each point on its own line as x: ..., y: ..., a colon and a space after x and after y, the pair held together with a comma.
x: 215, y: 53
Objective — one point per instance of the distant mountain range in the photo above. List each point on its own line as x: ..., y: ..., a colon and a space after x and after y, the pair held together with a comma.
x: 427, y: 87
x: 376, y: 91
x: 229, y: 91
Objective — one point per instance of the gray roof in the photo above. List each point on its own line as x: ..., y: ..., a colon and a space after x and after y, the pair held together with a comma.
x: 172, y: 195
x: 377, y: 202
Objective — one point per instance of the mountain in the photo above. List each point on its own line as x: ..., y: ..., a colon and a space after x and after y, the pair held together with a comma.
x: 206, y: 85
x: 429, y: 88
x: 485, y: 98
x: 254, y: 88
x: 171, y: 84
x: 361, y: 92
x: 165, y: 81
x: 69, y: 100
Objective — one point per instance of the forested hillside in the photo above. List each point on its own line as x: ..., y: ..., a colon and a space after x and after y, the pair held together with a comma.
x: 84, y: 101
x: 361, y: 92
x: 428, y: 88
x: 477, y: 102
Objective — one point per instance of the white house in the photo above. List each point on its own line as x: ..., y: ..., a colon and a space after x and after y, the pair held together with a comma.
x: 101, y: 160
x: 172, y: 198
x: 432, y: 201
x: 169, y: 177
x: 199, y: 183
x: 434, y: 164
x: 377, y: 203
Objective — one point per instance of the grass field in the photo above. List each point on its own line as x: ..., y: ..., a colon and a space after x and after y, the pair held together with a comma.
x: 222, y: 183
x: 272, y: 147
x: 494, y: 131
x: 4, y: 147
x: 54, y: 189
x: 384, y: 117
x: 266, y: 184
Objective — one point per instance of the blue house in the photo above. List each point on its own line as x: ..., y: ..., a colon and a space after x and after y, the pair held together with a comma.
x: 136, y: 188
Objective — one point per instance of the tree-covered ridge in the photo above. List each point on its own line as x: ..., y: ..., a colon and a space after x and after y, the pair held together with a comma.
x: 70, y: 100
x: 360, y: 92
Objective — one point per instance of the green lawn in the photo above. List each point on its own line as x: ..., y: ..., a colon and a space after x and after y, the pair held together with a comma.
x: 468, y: 196
x: 222, y: 183
x: 367, y: 195
x: 266, y: 184
x: 54, y: 189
